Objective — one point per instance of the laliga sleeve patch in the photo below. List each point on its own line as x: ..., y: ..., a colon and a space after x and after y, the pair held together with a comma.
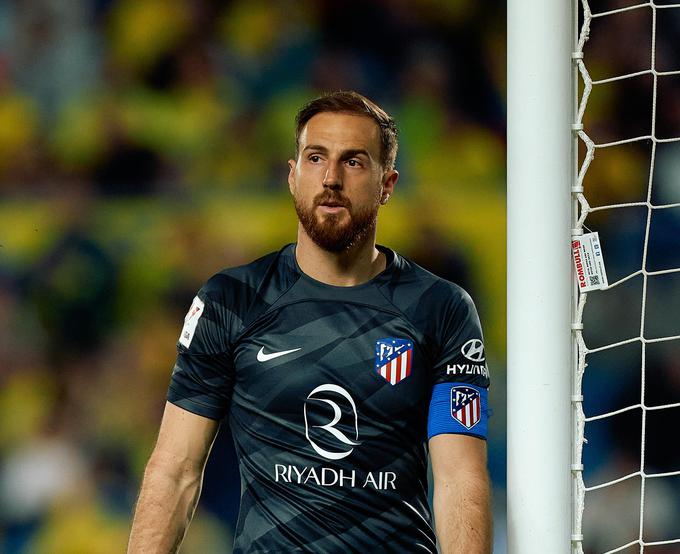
x: 191, y: 321
x: 459, y: 408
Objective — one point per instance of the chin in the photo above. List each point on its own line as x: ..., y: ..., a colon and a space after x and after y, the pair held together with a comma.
x: 333, y: 220
x: 333, y: 232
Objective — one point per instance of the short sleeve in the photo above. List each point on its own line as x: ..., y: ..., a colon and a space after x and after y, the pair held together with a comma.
x: 203, y: 377
x: 459, y: 402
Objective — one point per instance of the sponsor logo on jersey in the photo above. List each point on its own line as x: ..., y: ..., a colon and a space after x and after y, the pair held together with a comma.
x: 325, y: 476
x: 466, y: 406
x: 316, y: 408
x: 325, y: 403
x: 191, y: 321
x: 262, y: 357
x: 473, y: 350
x: 393, y: 358
x: 467, y: 369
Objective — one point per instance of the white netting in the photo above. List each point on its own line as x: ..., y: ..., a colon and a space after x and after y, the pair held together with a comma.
x: 653, y: 203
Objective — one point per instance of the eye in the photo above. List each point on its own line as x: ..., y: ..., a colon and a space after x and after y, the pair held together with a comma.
x: 353, y: 162
x: 314, y: 158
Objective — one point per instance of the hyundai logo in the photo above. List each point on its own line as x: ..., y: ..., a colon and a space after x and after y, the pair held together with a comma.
x: 473, y: 350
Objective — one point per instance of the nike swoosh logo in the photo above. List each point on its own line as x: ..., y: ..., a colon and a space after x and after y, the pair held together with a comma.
x: 262, y: 357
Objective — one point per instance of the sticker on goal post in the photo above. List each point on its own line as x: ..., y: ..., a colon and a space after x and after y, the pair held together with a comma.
x: 589, y: 262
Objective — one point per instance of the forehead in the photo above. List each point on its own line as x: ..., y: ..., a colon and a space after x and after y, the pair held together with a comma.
x: 342, y: 131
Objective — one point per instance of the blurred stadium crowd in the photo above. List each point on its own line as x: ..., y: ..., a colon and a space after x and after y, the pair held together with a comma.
x: 143, y: 147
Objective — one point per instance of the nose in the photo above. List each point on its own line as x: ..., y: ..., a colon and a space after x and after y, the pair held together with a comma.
x: 333, y: 178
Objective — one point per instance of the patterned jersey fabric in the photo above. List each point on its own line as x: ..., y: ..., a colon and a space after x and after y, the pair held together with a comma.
x: 331, y: 394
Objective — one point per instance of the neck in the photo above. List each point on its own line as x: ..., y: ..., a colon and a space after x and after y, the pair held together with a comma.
x: 355, y: 266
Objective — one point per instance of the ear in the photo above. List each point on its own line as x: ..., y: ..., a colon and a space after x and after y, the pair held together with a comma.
x: 389, y: 181
x: 291, y: 175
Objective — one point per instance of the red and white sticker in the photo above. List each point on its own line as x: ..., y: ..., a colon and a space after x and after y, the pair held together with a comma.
x: 589, y: 262
x: 190, y: 322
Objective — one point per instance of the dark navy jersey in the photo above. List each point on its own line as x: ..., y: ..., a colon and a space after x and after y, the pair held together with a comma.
x: 331, y: 394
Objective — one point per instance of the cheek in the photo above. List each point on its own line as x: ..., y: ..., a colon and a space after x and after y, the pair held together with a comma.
x: 369, y: 193
x: 304, y: 186
x: 303, y: 190
x: 308, y: 178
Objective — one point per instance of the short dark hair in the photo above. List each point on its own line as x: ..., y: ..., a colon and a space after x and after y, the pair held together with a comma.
x: 352, y: 103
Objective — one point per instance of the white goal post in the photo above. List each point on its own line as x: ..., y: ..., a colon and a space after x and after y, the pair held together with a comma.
x: 539, y: 283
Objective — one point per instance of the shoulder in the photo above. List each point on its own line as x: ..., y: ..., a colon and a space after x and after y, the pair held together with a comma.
x: 429, y: 291
x: 246, y: 275
x: 237, y: 288
x: 439, y: 309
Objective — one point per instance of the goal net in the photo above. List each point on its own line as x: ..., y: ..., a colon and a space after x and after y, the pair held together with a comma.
x: 626, y: 384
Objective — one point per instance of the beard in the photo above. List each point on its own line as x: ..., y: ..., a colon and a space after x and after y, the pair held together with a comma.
x: 329, y: 231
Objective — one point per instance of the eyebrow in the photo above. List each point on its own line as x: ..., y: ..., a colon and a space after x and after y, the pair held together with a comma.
x: 350, y: 153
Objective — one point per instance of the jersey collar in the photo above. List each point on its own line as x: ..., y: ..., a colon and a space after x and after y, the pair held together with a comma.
x: 392, y: 262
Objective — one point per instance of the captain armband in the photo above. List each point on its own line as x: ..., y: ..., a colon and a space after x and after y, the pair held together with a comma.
x: 459, y: 408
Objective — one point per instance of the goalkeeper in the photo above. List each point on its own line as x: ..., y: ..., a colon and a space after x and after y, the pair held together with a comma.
x: 338, y: 364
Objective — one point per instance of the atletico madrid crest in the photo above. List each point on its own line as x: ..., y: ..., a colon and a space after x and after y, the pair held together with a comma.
x: 466, y: 406
x: 393, y: 359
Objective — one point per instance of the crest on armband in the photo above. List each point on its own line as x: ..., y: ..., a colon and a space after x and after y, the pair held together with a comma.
x: 466, y: 406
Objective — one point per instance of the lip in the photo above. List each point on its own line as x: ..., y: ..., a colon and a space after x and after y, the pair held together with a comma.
x: 331, y: 208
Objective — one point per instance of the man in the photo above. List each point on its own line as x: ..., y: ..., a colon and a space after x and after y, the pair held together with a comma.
x: 336, y: 362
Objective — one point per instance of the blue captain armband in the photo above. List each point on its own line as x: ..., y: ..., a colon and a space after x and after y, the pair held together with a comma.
x: 459, y: 408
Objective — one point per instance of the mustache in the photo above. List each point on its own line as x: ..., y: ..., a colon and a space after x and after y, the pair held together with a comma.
x: 330, y: 198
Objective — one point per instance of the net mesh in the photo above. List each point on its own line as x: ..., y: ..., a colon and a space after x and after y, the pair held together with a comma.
x: 591, y: 141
